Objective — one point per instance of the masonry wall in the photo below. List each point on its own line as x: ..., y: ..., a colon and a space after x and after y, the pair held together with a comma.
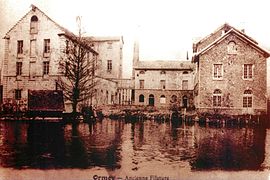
x: 169, y: 101
x: 232, y: 85
x: 32, y: 66
x: 109, y: 50
x: 173, y: 86
x: 212, y: 37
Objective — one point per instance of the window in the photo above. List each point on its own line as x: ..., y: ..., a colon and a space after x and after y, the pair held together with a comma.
x: 33, y: 48
x: 185, y: 72
x: 185, y: 101
x: 142, y: 72
x: 47, y: 47
x: 151, y: 100
x: 45, y: 68
x: 162, y: 84
x: 141, y: 84
x: 34, y: 25
x: 19, y: 47
x: 18, y: 94
x: 109, y: 65
x: 18, y: 68
x: 217, y: 98
x: 185, y: 84
x: 248, y: 72
x: 232, y: 47
x: 162, y: 72
x: 218, y: 71
x: 162, y: 99
x: 247, y: 99
x: 141, y: 98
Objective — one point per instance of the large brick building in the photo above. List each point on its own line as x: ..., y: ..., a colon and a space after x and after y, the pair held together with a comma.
x: 33, y: 49
x: 230, y: 73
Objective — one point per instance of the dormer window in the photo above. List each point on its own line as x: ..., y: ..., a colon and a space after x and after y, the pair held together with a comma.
x: 34, y: 25
x: 232, y: 49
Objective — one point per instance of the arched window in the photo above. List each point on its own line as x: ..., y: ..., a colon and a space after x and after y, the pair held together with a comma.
x: 162, y: 99
x: 185, y: 101
x: 151, y: 100
x: 34, y: 25
x: 247, y: 99
x: 173, y: 99
x: 141, y: 98
x: 217, y: 98
x: 142, y: 72
x: 232, y: 49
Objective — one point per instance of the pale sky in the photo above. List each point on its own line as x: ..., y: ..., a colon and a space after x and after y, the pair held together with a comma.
x: 165, y: 28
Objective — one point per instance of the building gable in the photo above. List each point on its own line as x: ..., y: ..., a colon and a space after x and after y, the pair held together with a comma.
x: 219, y: 32
x: 239, y: 35
x: 42, y: 17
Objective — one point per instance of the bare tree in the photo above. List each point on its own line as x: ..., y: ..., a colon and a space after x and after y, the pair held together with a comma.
x: 78, y: 65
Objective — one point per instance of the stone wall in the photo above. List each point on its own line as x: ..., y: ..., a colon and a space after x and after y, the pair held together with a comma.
x: 232, y: 84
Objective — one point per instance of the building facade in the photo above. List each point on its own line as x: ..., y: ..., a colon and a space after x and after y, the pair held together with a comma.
x: 34, y: 47
x: 230, y: 73
x: 164, y: 83
x: 110, y: 57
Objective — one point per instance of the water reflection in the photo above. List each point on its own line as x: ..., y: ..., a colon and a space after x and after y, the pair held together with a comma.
x: 114, y: 144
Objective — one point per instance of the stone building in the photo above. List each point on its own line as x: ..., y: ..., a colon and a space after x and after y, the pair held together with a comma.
x: 33, y: 48
x: 164, y: 83
x: 112, y: 88
x: 230, y: 73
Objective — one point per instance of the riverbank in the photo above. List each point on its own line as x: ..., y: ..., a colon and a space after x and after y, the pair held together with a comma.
x: 137, y: 113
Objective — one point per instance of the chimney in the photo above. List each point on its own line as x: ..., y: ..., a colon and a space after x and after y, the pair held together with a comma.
x: 136, y: 56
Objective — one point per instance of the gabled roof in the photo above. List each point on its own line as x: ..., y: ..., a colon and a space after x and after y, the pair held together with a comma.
x: 226, y: 27
x: 164, y: 65
x: 65, y: 31
x: 34, y: 8
x: 239, y: 34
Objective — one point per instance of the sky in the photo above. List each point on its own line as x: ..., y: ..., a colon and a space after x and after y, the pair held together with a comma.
x: 165, y: 29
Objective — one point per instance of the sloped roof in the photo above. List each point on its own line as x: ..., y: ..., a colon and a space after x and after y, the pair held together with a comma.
x: 164, y: 65
x: 34, y: 8
x: 226, y: 27
x: 65, y: 31
x: 241, y: 35
x: 45, y: 100
x: 105, y: 38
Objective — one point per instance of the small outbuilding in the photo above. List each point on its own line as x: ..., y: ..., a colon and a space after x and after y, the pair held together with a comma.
x: 45, y: 103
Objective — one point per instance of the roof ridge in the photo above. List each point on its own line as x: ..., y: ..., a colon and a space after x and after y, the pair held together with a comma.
x: 253, y: 42
x: 34, y: 8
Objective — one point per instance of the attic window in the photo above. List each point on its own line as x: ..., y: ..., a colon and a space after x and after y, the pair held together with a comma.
x: 232, y: 49
x: 34, y: 25
x: 162, y: 72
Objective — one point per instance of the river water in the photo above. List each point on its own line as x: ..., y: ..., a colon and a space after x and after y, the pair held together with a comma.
x: 115, y: 149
